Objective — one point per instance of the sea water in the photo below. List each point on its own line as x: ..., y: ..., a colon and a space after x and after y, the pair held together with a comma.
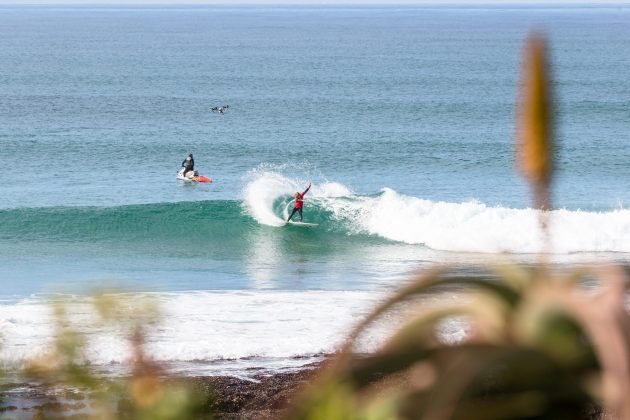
x: 403, y: 119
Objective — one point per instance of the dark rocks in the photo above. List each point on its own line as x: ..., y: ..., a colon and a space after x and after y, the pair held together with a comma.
x: 262, y: 397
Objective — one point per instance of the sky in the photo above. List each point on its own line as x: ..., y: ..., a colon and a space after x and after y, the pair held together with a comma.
x: 308, y: 2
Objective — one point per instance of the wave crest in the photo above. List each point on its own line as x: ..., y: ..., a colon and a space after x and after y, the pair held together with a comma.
x: 461, y: 227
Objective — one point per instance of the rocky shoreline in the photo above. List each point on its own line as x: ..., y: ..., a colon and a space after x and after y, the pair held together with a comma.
x: 261, y: 397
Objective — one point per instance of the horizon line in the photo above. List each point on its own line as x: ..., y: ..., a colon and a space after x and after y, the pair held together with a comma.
x: 320, y: 3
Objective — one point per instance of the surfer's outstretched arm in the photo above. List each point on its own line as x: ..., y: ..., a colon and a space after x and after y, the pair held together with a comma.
x: 306, y: 190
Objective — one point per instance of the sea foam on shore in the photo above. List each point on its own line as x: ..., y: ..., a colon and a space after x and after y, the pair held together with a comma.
x: 219, y: 332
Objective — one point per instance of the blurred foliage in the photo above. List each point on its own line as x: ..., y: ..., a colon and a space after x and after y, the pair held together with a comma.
x: 535, y: 127
x: 538, y: 345
x: 143, y: 394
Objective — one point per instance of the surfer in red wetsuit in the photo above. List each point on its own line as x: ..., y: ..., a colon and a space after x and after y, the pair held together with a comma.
x: 299, y: 203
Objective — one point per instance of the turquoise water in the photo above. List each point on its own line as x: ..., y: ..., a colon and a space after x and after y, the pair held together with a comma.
x: 403, y: 119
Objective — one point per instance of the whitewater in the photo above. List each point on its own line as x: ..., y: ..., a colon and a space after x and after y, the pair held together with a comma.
x: 459, y: 227
x: 198, y: 327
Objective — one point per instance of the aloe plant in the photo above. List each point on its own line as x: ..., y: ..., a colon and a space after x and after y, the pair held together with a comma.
x: 539, y: 344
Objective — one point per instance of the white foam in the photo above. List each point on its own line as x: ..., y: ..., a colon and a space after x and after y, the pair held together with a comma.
x: 462, y: 227
x: 202, y: 326
x: 475, y: 227
x: 261, y: 193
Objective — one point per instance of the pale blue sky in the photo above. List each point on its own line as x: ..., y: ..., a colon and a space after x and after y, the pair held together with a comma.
x: 300, y: 2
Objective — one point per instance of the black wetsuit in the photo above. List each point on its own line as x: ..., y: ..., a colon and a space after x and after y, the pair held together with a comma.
x: 295, y: 210
x: 188, y: 165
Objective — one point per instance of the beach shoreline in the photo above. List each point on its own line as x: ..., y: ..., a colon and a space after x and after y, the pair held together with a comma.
x: 262, y: 396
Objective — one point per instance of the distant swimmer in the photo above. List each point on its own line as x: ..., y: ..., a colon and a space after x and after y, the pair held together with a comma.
x: 299, y: 203
x: 188, y: 164
x: 220, y: 109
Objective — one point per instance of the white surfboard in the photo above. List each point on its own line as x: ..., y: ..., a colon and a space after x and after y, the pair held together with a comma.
x: 303, y: 224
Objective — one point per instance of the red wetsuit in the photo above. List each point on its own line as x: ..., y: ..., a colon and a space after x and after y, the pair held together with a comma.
x: 299, y: 203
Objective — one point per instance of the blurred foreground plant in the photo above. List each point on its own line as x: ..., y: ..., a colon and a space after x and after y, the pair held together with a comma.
x: 141, y: 395
x: 535, y: 125
x: 536, y: 347
x: 538, y: 344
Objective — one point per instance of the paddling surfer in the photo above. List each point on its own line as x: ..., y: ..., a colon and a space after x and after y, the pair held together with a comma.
x: 299, y: 203
x: 221, y: 109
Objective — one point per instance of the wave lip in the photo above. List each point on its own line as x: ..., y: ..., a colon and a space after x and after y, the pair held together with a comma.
x: 269, y: 195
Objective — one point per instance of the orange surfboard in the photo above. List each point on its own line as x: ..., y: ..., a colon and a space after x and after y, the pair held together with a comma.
x: 202, y: 179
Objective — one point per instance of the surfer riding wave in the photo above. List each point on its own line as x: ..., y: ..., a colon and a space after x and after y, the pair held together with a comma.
x: 299, y: 203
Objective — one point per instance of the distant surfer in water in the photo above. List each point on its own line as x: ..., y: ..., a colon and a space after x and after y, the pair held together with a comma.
x: 299, y: 203
x: 221, y: 109
x: 188, y: 164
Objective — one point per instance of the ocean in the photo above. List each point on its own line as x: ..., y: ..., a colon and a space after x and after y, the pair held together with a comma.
x: 402, y: 117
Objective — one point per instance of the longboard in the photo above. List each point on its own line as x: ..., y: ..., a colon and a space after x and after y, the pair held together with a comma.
x: 303, y: 224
